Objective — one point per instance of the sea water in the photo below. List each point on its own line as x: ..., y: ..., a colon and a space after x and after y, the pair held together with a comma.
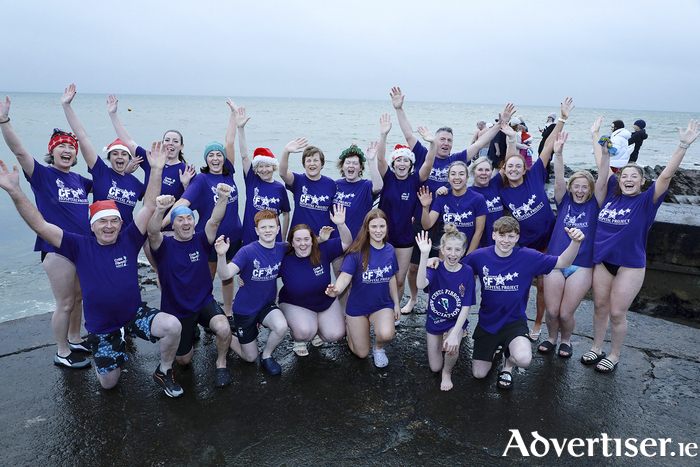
x: 330, y: 124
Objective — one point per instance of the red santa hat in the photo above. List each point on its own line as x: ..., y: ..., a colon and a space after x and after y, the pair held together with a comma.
x: 100, y: 209
x: 403, y: 151
x: 117, y: 144
x: 265, y: 156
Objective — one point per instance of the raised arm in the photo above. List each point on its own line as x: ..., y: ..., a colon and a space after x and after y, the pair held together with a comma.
x: 338, y: 218
x: 512, y: 138
x: 566, y: 108
x: 686, y: 139
x: 86, y: 148
x: 156, y: 158
x: 371, y: 154
x: 9, y: 181
x: 427, y: 166
x: 122, y: 134
x: 559, y: 179
x: 424, y: 245
x: 384, y: 129
x: 26, y: 161
x: 566, y: 259
x: 602, y: 159
x: 428, y: 217
x: 241, y: 120
x: 296, y: 145
x: 397, y: 101
x: 489, y: 134
x: 155, y: 236
x: 229, y: 146
x: 217, y: 214
x: 285, y: 224
x: 225, y: 271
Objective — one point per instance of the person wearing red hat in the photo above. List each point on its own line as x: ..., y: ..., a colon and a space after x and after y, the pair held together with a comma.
x: 108, y: 183
x: 107, y: 265
x: 62, y: 198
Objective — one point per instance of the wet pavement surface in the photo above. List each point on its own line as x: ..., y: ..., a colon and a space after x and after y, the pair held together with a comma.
x: 332, y: 408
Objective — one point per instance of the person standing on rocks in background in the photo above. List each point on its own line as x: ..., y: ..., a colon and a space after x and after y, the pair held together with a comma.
x: 638, y: 136
x: 481, y: 128
x: 619, y: 139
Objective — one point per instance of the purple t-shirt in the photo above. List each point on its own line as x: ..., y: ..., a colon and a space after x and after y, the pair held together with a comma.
x: 109, y: 277
x: 171, y: 175
x: 494, y: 206
x: 259, y: 196
x: 623, y: 227
x: 304, y: 284
x: 183, y: 270
x: 438, y: 174
x: 62, y: 199
x: 529, y: 205
x: 201, y: 193
x: 447, y: 293
x: 124, y: 189
x: 370, y: 289
x: 461, y: 211
x: 581, y: 216
x: 398, y: 201
x: 312, y: 201
x: 259, y: 269
x: 357, y: 199
x: 505, y: 283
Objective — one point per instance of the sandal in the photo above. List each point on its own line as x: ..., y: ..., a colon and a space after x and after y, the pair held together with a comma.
x: 317, y: 341
x: 300, y: 349
x: 606, y: 366
x: 592, y: 358
x: 533, y: 336
x: 545, y: 347
x: 505, y: 380
x: 567, y: 348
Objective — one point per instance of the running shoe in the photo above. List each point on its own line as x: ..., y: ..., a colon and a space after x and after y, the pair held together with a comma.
x: 71, y: 361
x: 83, y: 347
x: 167, y: 382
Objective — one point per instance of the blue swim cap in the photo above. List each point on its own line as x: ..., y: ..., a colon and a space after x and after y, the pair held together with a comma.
x: 179, y: 211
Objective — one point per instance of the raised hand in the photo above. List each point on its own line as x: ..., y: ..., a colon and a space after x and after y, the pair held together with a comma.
x: 689, y: 135
x: 134, y: 163
x: 508, y: 112
x: 187, y: 175
x: 157, y: 155
x: 371, y: 152
x: 68, y: 94
x: 241, y: 118
x: 595, y: 129
x: 396, y: 97
x: 559, y: 142
x: 221, y: 245
x: 5, y: 108
x: 296, y: 145
x: 507, y: 129
x: 566, y: 107
x: 112, y: 104
x: 426, y: 134
x: 384, y: 124
x: 163, y: 202
x: 575, y: 234
x: 424, y: 243
x: 223, y: 190
x: 325, y: 233
x: 338, y: 214
x: 9, y: 181
x: 231, y: 105
x: 424, y: 196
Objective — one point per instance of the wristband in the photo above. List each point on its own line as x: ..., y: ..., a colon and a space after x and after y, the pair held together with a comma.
x: 8, y: 119
x: 563, y: 120
x: 681, y: 145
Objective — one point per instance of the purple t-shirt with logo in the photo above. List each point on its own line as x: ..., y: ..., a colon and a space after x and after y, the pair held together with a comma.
x: 573, y: 215
x: 304, y: 284
x: 493, y: 205
x: 201, y: 193
x: 505, y: 283
x: 438, y: 174
x: 398, y: 200
x: 62, y: 199
x: 461, y: 211
x: 370, y: 289
x: 260, y: 196
x: 312, y: 201
x: 124, y: 189
x: 529, y: 205
x: 357, y: 199
x: 623, y: 227
x: 109, y: 277
x: 447, y: 293
x: 183, y: 270
x: 259, y: 269
x: 171, y: 184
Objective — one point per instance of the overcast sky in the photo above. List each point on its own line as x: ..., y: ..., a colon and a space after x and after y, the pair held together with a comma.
x: 608, y: 54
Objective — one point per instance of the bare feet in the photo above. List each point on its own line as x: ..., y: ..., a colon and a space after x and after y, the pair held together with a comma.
x: 446, y: 383
x: 408, y: 307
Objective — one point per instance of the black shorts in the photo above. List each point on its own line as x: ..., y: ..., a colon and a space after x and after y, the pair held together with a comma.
x: 232, y: 250
x: 247, y: 325
x: 435, y: 234
x: 202, y: 317
x: 485, y: 343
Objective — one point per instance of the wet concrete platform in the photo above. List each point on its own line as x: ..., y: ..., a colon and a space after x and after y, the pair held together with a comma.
x: 331, y: 408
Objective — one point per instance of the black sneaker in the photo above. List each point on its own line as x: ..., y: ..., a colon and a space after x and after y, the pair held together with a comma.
x: 231, y: 324
x: 71, y: 361
x: 82, y: 347
x: 167, y: 382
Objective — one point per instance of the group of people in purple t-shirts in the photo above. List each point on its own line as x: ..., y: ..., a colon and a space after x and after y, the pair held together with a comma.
x: 430, y: 227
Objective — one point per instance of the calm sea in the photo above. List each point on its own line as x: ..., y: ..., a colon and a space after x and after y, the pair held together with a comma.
x: 331, y: 125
